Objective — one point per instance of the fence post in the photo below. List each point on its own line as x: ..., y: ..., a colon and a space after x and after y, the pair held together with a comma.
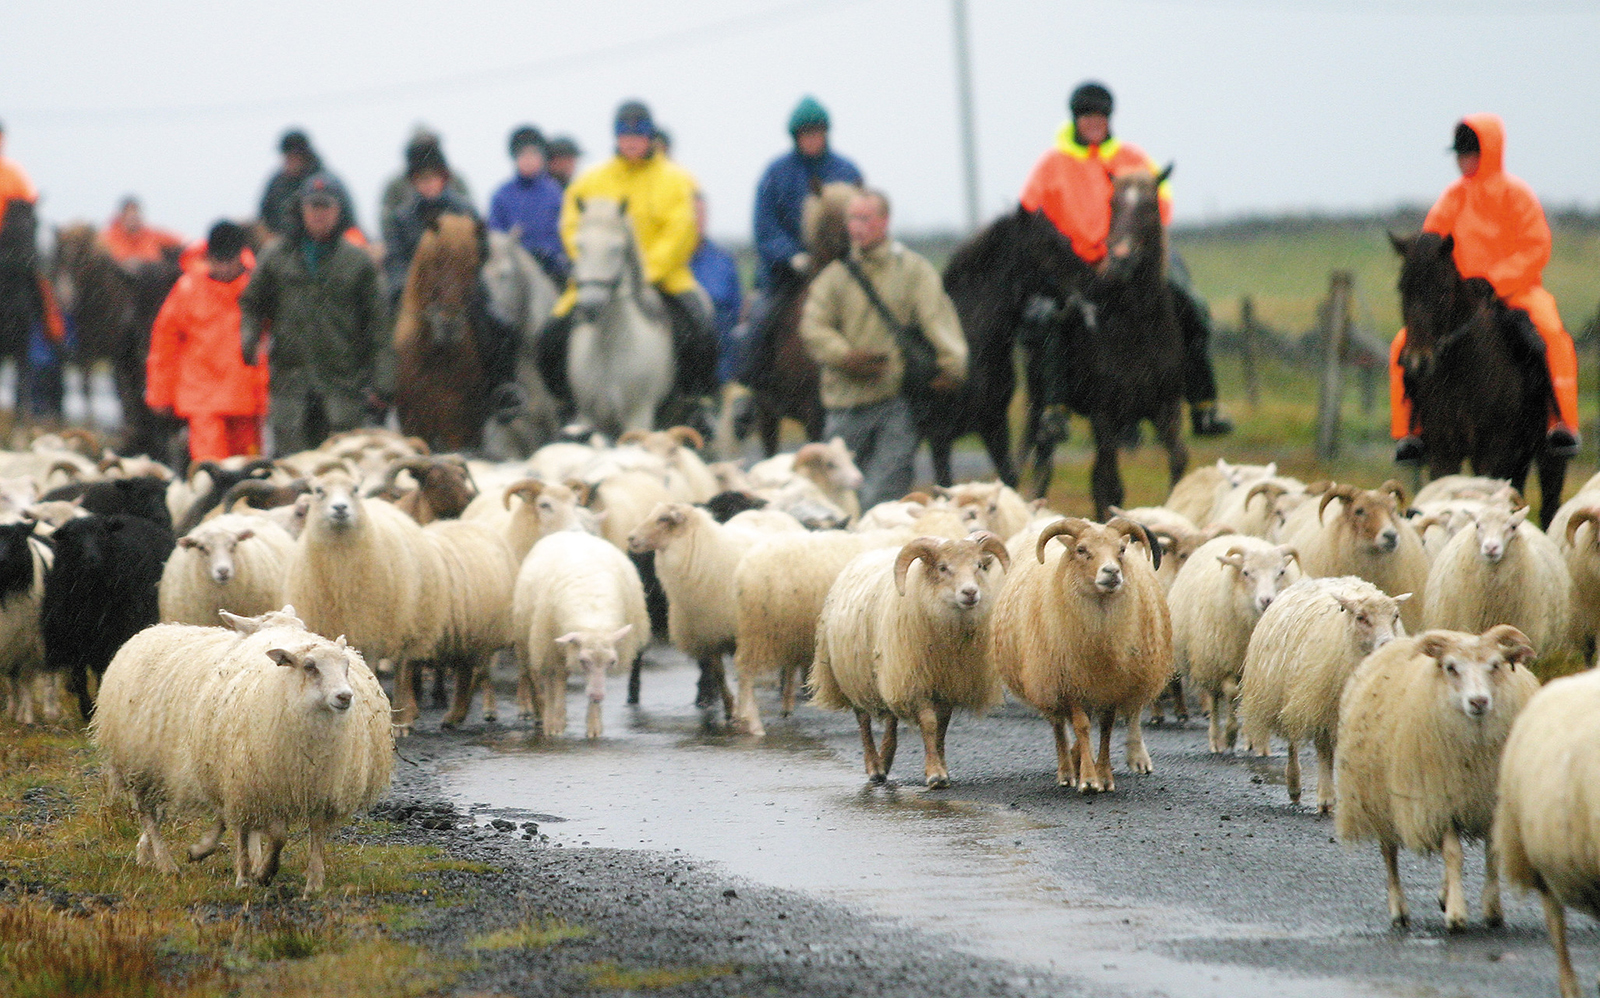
x: 1331, y: 395
x: 1247, y: 351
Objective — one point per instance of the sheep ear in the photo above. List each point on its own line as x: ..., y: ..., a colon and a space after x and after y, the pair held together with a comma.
x: 244, y: 625
x: 1435, y: 645
x: 1403, y: 597
x: 340, y: 643
x: 246, y: 534
x: 570, y: 638
x: 1519, y: 516
x: 283, y: 656
x: 621, y: 632
x: 187, y: 542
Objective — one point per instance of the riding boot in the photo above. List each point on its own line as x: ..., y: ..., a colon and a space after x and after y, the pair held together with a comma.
x: 1199, y: 378
x: 552, y: 357
x: 694, y: 342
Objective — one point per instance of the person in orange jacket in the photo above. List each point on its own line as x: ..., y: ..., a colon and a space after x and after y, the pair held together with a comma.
x: 1500, y: 235
x: 1071, y: 184
x: 194, y: 368
x: 132, y: 242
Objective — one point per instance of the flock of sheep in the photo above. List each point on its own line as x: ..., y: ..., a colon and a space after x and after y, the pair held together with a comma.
x: 1395, y: 637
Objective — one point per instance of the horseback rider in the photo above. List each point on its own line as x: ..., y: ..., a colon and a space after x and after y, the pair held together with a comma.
x: 131, y: 242
x: 430, y: 194
x: 659, y: 198
x: 530, y: 202
x: 280, y: 199
x: 1071, y: 183
x: 561, y: 159
x: 1500, y: 235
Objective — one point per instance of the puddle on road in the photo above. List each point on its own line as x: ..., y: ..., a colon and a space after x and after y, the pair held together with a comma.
x: 788, y: 812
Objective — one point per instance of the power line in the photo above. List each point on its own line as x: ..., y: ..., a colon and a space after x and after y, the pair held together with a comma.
x: 454, y: 82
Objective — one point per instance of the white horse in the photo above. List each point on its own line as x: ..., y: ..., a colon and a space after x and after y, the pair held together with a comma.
x: 620, y: 362
x: 521, y: 295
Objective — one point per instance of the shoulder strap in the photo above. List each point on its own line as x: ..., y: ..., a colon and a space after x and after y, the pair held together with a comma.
x: 861, y: 279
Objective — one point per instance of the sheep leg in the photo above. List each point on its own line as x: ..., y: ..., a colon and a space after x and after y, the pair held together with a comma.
x: 438, y: 695
x: 405, y: 697
x: 746, y: 710
x: 1088, y: 774
x: 1291, y: 772
x: 1397, y: 895
x: 1555, y: 923
x: 1180, y: 706
x: 1230, y: 703
x: 483, y: 678
x: 1138, y: 756
x: 1493, y: 915
x: 208, y: 842
x: 869, y: 748
x: 152, y: 848
x: 242, y: 860
x: 525, y: 706
x: 465, y: 669
x: 316, y: 866
x: 933, y: 721
x: 1454, y: 898
x: 555, y: 702
x: 786, y: 686
x: 1108, y: 720
x: 891, y: 741
x: 633, y: 678
x: 272, y: 853
x: 1324, y: 774
x: 1066, y: 759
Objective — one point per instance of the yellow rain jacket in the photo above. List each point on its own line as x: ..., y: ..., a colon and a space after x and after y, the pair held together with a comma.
x: 660, y: 198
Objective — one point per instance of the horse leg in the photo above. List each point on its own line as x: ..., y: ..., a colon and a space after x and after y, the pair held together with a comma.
x: 1552, y: 478
x: 1106, y: 478
x: 1169, y: 430
x: 939, y: 449
x: 996, y: 436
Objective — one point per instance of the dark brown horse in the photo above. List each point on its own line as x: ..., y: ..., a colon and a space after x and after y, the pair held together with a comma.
x: 787, y: 386
x: 1125, y: 353
x: 112, y: 309
x: 1475, y: 372
x: 441, y: 392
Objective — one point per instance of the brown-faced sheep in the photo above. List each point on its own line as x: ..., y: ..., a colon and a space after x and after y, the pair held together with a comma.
x: 1365, y: 535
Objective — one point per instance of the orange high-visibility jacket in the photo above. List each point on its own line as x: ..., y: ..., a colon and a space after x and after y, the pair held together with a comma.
x: 194, y: 364
x: 1072, y: 184
x: 14, y: 186
x: 145, y: 246
x: 1500, y: 230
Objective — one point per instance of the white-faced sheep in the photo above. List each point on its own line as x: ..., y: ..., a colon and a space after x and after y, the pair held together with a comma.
x: 999, y: 508
x: 578, y: 608
x: 680, y: 448
x: 1250, y: 509
x: 895, y: 642
x: 1365, y: 535
x: 1547, y: 818
x: 234, y: 562
x: 1504, y: 571
x: 365, y: 570
x: 1421, y: 725
x: 269, y: 727
x: 1083, y: 630
x: 1302, y: 652
x: 1217, y: 599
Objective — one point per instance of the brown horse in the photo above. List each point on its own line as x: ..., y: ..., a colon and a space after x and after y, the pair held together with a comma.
x: 788, y: 387
x: 112, y: 309
x: 441, y: 392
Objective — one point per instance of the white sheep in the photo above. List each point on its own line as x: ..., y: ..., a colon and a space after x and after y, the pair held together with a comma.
x: 1198, y: 493
x: 363, y: 569
x: 1251, y: 509
x: 1367, y: 536
x: 267, y: 725
x: 479, y: 572
x: 1000, y: 509
x: 234, y: 562
x: 680, y: 448
x: 1448, y: 487
x: 1215, y: 601
x: 1547, y: 817
x: 1083, y: 630
x: 1504, y: 571
x: 578, y: 607
x: 895, y: 642
x: 1302, y: 652
x: 1421, y: 725
x: 828, y: 465
x: 1576, y: 530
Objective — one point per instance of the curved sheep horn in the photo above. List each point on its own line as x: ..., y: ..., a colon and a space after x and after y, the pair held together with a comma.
x: 419, y: 445
x: 73, y: 470
x: 1289, y: 552
x: 209, y: 467
x: 687, y: 435
x: 924, y: 548
x: 1395, y: 489
x: 1422, y: 523
x: 86, y: 442
x: 1140, y: 533
x: 418, y: 466
x: 528, y: 488
x: 1514, y: 644
x: 1335, y: 491
x: 1580, y: 516
x: 1272, y: 490
x: 580, y: 490
x: 632, y: 437
x: 332, y: 464
x: 1318, y: 487
x: 1233, y: 556
x: 1071, y: 526
x: 994, y: 545
x: 109, y: 459
x: 921, y: 498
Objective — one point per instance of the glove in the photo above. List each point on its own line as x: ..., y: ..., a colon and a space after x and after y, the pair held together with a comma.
x: 800, y: 262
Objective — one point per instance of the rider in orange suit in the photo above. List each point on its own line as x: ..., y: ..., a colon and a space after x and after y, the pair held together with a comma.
x: 131, y: 242
x: 1500, y: 235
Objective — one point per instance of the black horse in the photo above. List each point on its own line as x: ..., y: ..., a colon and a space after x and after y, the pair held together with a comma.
x: 1019, y: 260
x: 1475, y: 372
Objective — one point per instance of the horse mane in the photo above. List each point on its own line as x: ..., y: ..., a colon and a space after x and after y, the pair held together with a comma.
x: 822, y: 222
x: 443, y: 271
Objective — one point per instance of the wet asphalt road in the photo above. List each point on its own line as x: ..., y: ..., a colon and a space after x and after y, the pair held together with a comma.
x: 1198, y: 880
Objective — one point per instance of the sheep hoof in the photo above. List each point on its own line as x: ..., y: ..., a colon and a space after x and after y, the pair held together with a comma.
x: 877, y: 778
x: 1294, y: 797
x: 1494, y: 919
x: 938, y: 782
x: 1457, y: 923
x: 1400, y: 921
x: 491, y: 719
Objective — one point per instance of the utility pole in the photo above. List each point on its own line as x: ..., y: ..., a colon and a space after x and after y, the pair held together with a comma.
x: 969, y: 138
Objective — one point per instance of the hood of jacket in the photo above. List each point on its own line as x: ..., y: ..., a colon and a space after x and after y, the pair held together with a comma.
x: 1491, y: 132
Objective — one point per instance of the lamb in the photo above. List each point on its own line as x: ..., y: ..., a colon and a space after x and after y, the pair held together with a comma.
x: 1086, y: 631
x: 1366, y: 536
x: 892, y: 642
x: 24, y: 560
x: 1215, y: 602
x: 1303, y: 651
x: 1421, y: 725
x: 1505, y: 571
x: 1546, y: 818
x: 363, y: 569
x: 679, y: 447
x: 233, y: 562
x: 101, y: 590
x: 266, y: 724
x: 578, y: 607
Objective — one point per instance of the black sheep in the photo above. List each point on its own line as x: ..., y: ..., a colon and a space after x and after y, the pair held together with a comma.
x: 141, y: 497
x: 102, y: 589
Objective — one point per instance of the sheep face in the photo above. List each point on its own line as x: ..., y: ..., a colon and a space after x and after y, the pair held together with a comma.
x: 829, y: 465
x: 1374, y: 620
x: 323, y: 670
x: 667, y: 521
x: 1262, y: 575
x: 593, y: 653
x: 1369, y: 515
x: 1096, y: 553
x: 217, y: 547
x: 1178, y: 544
x: 51, y: 515
x: 335, y: 503
x: 962, y: 574
x: 1472, y: 669
x: 1497, y: 528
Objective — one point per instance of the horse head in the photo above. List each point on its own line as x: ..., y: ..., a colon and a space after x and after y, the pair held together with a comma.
x: 1435, y: 303
x: 1137, y: 239
x: 822, y: 222
x: 607, y: 260
x: 444, y: 274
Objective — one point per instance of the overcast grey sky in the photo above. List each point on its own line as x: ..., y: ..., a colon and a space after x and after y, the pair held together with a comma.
x: 1265, y: 105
